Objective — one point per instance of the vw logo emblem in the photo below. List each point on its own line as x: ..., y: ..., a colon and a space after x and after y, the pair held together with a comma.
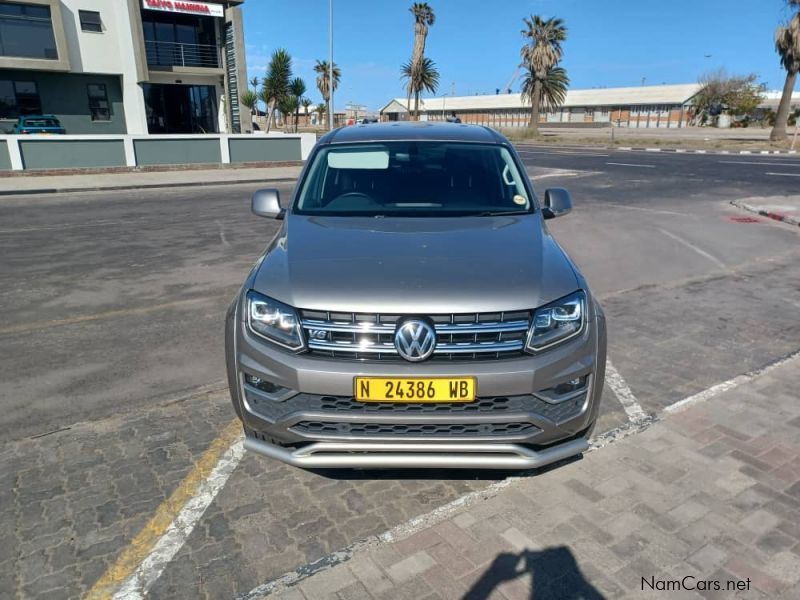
x: 415, y: 340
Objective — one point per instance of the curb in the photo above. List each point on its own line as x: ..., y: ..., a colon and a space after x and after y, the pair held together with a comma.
x: 766, y: 213
x: 689, y: 151
x: 145, y: 186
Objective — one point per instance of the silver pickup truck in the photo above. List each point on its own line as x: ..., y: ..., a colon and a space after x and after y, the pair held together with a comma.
x: 414, y: 311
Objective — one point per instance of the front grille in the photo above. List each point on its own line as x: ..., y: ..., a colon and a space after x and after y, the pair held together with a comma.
x: 336, y: 405
x: 363, y: 336
x: 413, y: 429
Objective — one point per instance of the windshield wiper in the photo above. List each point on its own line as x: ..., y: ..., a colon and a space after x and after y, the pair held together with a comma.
x: 500, y: 213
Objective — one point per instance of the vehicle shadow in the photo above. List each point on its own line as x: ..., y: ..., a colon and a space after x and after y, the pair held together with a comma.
x: 438, y: 474
x: 553, y: 573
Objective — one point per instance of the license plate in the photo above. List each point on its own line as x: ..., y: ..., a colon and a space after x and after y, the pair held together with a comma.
x: 415, y: 389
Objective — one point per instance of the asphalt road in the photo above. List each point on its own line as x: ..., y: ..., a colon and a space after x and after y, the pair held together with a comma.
x: 111, y: 311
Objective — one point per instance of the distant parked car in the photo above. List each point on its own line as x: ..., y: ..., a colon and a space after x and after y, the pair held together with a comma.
x: 39, y: 124
x: 369, y: 120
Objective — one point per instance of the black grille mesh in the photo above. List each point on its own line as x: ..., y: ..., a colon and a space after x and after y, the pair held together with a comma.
x: 413, y: 429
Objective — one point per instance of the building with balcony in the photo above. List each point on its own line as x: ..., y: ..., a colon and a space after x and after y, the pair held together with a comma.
x: 124, y: 66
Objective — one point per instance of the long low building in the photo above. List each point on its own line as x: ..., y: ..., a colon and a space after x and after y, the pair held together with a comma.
x: 644, y: 106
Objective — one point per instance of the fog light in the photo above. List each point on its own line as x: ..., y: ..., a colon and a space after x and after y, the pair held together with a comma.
x: 564, y: 391
x: 263, y: 384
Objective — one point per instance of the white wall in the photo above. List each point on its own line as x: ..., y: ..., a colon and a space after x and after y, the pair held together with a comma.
x: 110, y: 52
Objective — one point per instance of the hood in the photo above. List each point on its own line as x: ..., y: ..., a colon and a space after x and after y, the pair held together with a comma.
x: 415, y: 265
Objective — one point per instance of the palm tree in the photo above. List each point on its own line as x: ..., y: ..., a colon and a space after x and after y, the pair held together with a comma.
x: 255, y: 82
x: 423, y: 19
x: 322, y: 69
x: 306, y: 102
x: 297, y: 87
x: 553, y: 89
x: 540, y: 53
x: 420, y: 76
x: 248, y: 99
x: 787, y: 45
x: 288, y: 106
x: 275, y: 86
x: 321, y: 110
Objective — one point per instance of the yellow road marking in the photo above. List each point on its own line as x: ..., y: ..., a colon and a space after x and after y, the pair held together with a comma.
x: 132, y: 556
x: 39, y: 325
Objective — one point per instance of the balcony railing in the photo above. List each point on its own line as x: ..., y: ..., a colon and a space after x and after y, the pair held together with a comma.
x: 174, y: 54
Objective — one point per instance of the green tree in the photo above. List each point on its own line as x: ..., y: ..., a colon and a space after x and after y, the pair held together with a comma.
x: 275, y: 86
x: 248, y: 99
x: 288, y: 107
x: 297, y: 87
x: 421, y: 76
x: 306, y: 102
x: 323, y: 79
x: 739, y: 94
x: 552, y: 91
x: 321, y: 110
x: 787, y: 45
x: 541, y: 52
x: 255, y: 82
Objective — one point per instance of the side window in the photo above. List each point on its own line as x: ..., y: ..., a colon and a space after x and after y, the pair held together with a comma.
x: 90, y: 21
x: 99, y: 106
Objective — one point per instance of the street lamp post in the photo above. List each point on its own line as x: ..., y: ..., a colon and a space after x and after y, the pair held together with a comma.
x: 444, y: 101
x: 330, y: 65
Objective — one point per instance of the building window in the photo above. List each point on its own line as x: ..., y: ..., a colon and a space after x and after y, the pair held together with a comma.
x: 19, y: 98
x: 99, y: 107
x: 90, y: 21
x: 26, y: 31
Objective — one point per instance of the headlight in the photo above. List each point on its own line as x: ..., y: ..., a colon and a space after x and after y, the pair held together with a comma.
x: 557, y: 322
x: 274, y: 320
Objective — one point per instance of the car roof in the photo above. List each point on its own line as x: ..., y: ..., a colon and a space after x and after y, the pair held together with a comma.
x: 415, y: 131
x: 39, y: 117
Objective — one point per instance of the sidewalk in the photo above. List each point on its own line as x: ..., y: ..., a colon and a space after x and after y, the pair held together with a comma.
x: 708, y: 494
x: 44, y: 184
x: 781, y: 208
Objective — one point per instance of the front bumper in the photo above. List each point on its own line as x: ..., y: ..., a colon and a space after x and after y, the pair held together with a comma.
x: 316, y: 423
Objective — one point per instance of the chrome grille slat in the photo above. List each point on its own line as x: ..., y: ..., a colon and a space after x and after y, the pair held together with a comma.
x: 369, y: 336
x: 370, y: 327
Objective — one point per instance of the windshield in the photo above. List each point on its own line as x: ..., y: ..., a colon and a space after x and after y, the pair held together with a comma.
x: 413, y: 179
x: 41, y: 123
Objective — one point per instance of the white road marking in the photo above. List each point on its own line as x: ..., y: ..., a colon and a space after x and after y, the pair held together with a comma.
x: 563, y: 152
x: 631, y: 165
x: 654, y: 210
x: 691, y: 246
x: 139, y: 583
x: 561, y: 173
x: 715, y: 390
x: 624, y: 394
x: 784, y: 174
x: 760, y: 162
x: 652, y: 149
x: 222, y: 237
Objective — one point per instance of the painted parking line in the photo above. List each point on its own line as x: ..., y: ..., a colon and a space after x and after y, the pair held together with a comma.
x: 633, y: 409
x: 144, y: 559
x: 631, y: 165
x: 784, y: 174
x: 719, y: 388
x: 694, y: 248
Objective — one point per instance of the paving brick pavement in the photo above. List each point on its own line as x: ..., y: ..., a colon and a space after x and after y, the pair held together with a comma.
x: 710, y: 494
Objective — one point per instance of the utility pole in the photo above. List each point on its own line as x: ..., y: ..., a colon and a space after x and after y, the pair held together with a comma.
x: 330, y: 65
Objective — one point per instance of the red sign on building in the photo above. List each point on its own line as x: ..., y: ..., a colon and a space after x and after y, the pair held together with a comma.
x: 179, y: 6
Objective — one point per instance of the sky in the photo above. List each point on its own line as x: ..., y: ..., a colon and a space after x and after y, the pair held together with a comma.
x: 475, y: 43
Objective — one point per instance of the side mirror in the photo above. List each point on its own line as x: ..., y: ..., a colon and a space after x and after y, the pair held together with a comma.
x: 557, y: 202
x: 267, y: 203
